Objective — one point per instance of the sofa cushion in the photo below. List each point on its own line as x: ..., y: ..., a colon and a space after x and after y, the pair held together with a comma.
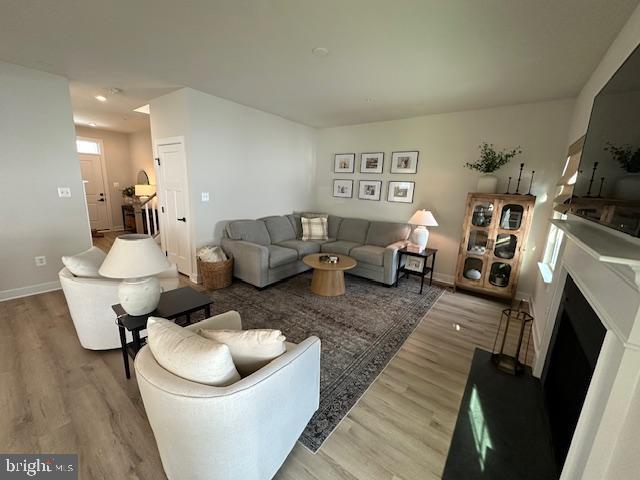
x: 296, y: 223
x: 383, y: 234
x: 190, y: 356
x: 250, y: 349
x: 85, y: 264
x: 254, y: 231
x: 279, y: 228
x: 353, y: 230
x: 281, y: 256
x: 334, y: 225
x: 302, y: 247
x: 370, y: 254
x: 341, y: 246
x: 314, y: 228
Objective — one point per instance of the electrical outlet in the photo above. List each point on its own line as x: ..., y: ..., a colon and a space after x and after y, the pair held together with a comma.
x: 64, y: 192
x: 205, y: 196
x: 116, y: 184
x: 40, y: 261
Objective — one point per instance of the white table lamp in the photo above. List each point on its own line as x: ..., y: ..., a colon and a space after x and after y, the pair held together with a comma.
x: 420, y: 236
x: 136, y: 259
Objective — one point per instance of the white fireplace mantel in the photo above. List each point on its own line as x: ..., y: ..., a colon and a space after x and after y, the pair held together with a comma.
x: 605, y: 265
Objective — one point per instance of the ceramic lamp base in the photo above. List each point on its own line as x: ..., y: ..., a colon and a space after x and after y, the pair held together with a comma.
x: 139, y: 296
x: 419, y: 237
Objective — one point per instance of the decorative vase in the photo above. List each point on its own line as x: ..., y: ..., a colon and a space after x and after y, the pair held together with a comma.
x: 627, y: 187
x: 487, y: 183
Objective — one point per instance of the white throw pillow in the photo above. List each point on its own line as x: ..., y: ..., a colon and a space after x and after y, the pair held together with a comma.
x: 85, y: 264
x: 189, y: 355
x: 314, y: 228
x: 250, y: 349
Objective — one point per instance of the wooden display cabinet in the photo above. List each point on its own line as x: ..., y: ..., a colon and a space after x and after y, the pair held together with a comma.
x: 495, y: 233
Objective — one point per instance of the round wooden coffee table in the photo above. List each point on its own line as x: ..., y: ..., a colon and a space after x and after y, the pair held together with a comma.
x: 328, y: 278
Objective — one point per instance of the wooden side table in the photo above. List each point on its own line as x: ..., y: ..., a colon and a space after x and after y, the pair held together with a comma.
x: 426, y: 268
x: 173, y: 304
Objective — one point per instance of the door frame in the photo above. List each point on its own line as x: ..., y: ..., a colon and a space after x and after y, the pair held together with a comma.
x: 157, y: 143
x: 105, y: 178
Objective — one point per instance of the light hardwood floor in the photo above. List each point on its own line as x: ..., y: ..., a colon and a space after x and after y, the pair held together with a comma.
x: 57, y: 397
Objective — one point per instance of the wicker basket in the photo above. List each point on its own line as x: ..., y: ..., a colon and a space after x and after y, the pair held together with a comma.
x: 216, y: 275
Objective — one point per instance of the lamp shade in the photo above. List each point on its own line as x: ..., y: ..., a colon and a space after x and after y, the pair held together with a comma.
x: 423, y: 217
x: 134, y: 256
x: 145, y: 190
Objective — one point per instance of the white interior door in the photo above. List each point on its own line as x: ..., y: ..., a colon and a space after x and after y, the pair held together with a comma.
x: 172, y: 186
x: 91, y: 167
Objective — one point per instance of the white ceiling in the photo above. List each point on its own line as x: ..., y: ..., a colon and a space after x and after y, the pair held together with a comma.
x: 408, y: 57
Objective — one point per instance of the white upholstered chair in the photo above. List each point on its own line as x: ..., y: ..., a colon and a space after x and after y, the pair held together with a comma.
x: 89, y: 301
x: 243, y: 431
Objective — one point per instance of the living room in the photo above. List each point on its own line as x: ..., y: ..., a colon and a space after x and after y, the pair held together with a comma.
x: 344, y: 177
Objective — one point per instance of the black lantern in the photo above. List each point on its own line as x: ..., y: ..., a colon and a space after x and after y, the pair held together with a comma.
x: 509, y: 337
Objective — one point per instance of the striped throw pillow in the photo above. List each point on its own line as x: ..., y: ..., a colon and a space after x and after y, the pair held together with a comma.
x: 314, y: 228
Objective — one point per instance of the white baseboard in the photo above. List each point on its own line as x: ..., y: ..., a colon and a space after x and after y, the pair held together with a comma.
x: 28, y: 291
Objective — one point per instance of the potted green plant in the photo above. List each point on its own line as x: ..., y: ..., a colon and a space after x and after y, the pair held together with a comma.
x: 490, y: 161
x: 128, y: 193
x: 626, y: 187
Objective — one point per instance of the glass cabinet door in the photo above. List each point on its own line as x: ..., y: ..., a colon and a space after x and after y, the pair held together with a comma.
x: 478, y: 240
x: 500, y: 274
x: 473, y: 268
x: 505, y: 246
x: 482, y: 213
x: 511, y: 216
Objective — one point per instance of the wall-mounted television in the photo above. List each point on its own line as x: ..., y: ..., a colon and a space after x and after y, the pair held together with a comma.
x: 607, y: 188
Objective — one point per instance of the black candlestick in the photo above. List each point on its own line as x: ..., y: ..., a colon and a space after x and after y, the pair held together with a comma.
x: 508, y: 185
x: 600, y: 189
x: 593, y: 174
x: 519, y: 178
x: 533, y: 172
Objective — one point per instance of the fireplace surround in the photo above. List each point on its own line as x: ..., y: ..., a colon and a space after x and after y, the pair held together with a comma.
x: 604, y: 267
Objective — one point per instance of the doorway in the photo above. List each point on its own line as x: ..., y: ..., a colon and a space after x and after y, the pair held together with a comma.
x: 173, y: 194
x: 94, y: 176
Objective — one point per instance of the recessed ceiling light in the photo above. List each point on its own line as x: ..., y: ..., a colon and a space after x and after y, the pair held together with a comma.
x: 320, y: 51
x: 101, y: 98
x: 92, y: 124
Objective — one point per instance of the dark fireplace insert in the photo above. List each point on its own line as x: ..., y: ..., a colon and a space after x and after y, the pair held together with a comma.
x: 571, y: 359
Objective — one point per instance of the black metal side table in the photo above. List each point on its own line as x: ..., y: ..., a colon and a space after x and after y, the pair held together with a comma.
x: 173, y: 304
x: 420, y: 268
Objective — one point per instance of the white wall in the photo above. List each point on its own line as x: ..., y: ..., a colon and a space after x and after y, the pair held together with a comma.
x: 38, y: 155
x: 118, y: 165
x: 626, y: 41
x: 252, y: 163
x: 141, y: 153
x: 445, y: 143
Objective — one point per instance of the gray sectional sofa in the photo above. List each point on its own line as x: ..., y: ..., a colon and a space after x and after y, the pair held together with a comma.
x: 270, y: 249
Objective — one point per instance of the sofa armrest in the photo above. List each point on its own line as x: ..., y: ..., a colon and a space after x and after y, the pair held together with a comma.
x: 250, y: 260
x: 225, y: 321
x: 391, y: 261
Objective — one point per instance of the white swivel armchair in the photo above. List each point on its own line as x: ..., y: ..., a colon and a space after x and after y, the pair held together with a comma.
x: 243, y: 431
x: 89, y: 301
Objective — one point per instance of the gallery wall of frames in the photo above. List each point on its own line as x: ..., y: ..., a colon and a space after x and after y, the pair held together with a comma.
x: 373, y: 163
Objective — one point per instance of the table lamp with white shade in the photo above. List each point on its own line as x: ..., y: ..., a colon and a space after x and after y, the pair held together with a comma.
x: 422, y: 218
x: 136, y: 259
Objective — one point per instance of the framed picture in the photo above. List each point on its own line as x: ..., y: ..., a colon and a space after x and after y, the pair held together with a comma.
x: 401, y: 192
x: 369, y: 189
x: 343, y: 188
x: 415, y: 264
x: 371, y: 162
x: 344, y: 163
x: 404, y: 162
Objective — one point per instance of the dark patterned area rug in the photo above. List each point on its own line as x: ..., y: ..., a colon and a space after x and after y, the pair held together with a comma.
x: 360, y: 333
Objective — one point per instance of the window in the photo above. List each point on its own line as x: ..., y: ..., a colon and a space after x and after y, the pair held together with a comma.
x: 85, y: 145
